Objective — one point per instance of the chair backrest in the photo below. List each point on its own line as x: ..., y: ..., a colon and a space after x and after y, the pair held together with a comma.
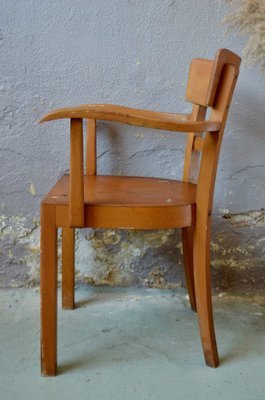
x: 210, y: 84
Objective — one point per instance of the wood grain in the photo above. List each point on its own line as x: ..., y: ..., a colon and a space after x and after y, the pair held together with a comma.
x: 141, y: 203
x: 191, y: 162
x: 131, y: 116
x: 91, y: 148
x: 187, y: 246
x: 129, y: 202
x: 199, y: 81
x: 204, y: 199
x: 68, y: 268
x: 126, y: 191
x: 48, y: 289
x: 76, y: 189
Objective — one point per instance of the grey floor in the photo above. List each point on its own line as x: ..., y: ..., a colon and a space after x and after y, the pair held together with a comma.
x: 132, y: 344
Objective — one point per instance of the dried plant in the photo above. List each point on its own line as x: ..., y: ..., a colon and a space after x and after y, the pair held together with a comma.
x: 248, y: 18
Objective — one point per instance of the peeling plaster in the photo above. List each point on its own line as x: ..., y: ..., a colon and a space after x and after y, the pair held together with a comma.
x: 32, y: 189
x: 248, y: 218
x: 126, y: 258
x: 19, y: 254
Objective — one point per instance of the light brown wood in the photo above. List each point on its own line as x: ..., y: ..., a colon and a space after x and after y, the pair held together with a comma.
x: 199, y: 81
x: 140, y: 217
x: 202, y: 251
x: 76, y: 206
x: 204, y: 200
x: 131, y: 116
x: 198, y: 143
x: 126, y: 191
x: 68, y: 268
x: 48, y: 286
x: 191, y: 158
x: 91, y: 148
x: 142, y: 203
x: 203, y: 290
x: 204, y: 77
x: 187, y: 246
x: 129, y: 202
x: 132, y: 218
x: 223, y: 57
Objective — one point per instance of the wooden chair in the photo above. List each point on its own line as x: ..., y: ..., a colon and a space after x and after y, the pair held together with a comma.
x: 88, y: 200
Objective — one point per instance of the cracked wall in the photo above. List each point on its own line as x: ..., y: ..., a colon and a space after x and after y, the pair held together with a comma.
x: 137, y: 54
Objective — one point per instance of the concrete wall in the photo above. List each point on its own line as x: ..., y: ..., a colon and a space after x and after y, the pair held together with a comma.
x: 136, y: 53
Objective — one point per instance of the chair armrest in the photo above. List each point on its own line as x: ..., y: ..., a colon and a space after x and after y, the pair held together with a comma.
x: 133, y: 116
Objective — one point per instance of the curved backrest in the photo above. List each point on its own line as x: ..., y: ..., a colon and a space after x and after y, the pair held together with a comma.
x: 204, y: 77
x: 205, y: 88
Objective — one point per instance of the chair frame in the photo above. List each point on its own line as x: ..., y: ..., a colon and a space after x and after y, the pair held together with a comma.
x: 211, y: 84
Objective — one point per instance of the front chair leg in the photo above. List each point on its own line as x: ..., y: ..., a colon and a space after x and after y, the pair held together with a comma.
x: 203, y: 293
x: 48, y: 286
x: 68, y: 268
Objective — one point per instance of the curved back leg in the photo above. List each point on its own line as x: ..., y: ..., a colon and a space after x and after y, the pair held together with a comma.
x: 68, y: 268
x: 187, y: 246
x: 203, y: 292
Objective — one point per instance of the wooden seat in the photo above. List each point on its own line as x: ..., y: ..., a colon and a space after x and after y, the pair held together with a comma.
x: 84, y: 199
x: 136, y: 202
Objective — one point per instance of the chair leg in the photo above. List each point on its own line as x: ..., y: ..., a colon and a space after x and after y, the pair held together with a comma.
x: 48, y: 286
x: 203, y: 293
x: 187, y: 245
x: 68, y: 268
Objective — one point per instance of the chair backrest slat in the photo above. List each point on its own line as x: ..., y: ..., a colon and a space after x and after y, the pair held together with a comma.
x: 204, y: 77
x: 192, y: 157
x: 205, y: 83
x: 199, y: 81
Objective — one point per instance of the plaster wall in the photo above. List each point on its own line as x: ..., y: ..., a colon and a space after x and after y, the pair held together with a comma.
x: 135, y: 53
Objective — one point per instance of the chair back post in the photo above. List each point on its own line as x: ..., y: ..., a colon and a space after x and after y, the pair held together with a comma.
x: 76, y: 190
x: 212, y: 142
x: 191, y: 161
x: 204, y: 84
x: 91, y: 148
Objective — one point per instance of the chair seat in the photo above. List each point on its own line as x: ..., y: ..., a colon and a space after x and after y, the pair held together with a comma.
x: 129, y: 202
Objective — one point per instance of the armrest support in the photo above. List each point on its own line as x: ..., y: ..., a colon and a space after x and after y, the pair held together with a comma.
x: 76, y: 190
x: 133, y: 116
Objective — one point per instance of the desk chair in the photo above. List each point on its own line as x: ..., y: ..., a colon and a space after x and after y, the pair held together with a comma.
x: 84, y: 199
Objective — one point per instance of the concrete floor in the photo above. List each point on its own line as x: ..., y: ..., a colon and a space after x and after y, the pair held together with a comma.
x: 132, y: 344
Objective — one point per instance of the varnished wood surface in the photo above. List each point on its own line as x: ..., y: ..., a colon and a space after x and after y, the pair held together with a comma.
x: 133, y: 217
x: 191, y: 159
x: 126, y: 191
x: 204, y: 76
x: 48, y: 289
x: 198, y: 143
x: 222, y: 57
x: 68, y: 268
x: 91, y: 147
x: 187, y: 247
x: 128, y: 202
x: 142, y: 203
x: 199, y: 81
x: 132, y: 116
x: 76, y: 186
x: 204, y: 198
